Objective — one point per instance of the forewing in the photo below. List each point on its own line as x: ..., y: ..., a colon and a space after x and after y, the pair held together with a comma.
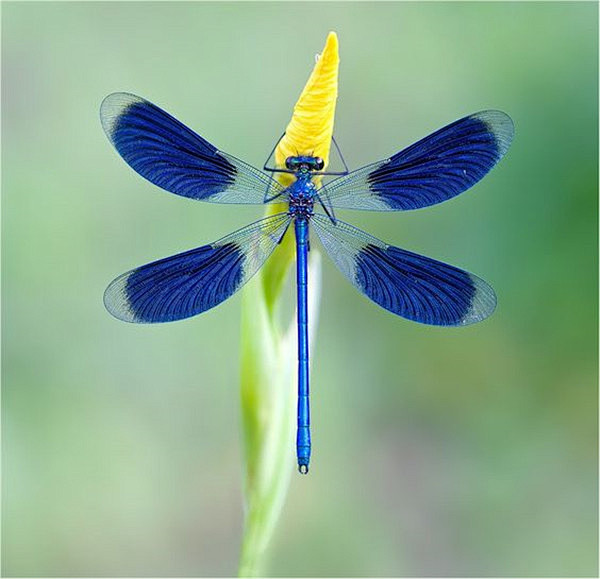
x: 407, y: 284
x: 435, y: 169
x: 168, y: 154
x: 192, y: 282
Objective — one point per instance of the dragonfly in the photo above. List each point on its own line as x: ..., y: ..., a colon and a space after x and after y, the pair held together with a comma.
x: 437, y: 168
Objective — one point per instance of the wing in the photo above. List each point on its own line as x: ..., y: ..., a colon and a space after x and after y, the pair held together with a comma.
x: 168, y: 154
x: 435, y: 169
x: 407, y: 284
x: 192, y: 282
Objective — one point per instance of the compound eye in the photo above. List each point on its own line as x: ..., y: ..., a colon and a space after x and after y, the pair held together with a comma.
x: 290, y: 163
x: 319, y: 163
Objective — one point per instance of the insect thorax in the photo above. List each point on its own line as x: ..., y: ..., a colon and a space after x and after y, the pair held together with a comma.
x: 301, y: 195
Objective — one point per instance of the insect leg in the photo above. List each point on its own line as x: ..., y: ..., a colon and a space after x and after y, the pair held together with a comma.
x: 328, y: 210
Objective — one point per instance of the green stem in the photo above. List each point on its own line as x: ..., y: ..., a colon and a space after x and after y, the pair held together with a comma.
x: 268, y: 385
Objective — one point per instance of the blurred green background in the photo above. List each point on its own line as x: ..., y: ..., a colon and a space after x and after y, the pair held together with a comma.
x: 458, y: 452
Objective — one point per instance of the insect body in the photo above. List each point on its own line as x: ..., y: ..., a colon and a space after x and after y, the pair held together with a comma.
x: 301, y: 207
x: 413, y: 286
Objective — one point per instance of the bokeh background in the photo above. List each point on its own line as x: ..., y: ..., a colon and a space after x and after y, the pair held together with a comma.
x: 458, y: 452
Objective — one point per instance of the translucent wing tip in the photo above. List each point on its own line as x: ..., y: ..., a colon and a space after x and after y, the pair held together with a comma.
x: 113, y: 107
x: 501, y: 125
x: 483, y: 302
x: 116, y: 301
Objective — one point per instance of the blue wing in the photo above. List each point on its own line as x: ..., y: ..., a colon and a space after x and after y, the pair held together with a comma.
x: 435, y: 169
x: 407, y: 284
x: 170, y: 155
x: 192, y: 282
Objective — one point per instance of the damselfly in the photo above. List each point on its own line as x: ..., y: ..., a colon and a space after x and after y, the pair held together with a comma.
x: 435, y: 169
